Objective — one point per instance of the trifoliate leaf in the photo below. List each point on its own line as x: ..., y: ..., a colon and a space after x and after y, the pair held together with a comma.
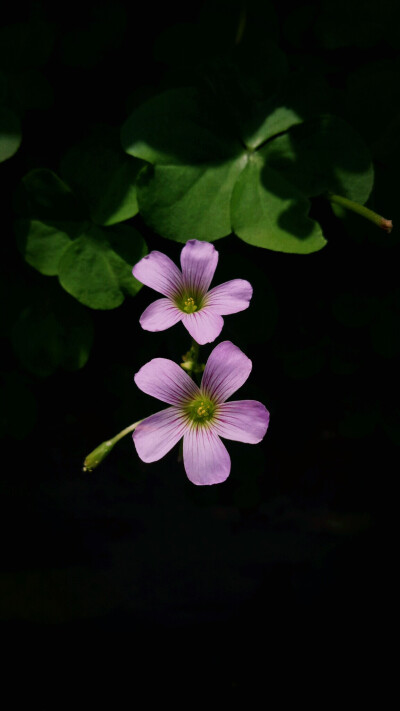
x: 266, y: 166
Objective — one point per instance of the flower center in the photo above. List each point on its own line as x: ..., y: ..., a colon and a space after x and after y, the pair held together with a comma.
x: 201, y: 411
x: 189, y: 300
x: 189, y: 305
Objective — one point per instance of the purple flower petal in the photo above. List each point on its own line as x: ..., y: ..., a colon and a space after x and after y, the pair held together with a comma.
x: 161, y: 314
x: 226, y: 370
x: 165, y: 380
x: 204, y: 325
x: 242, y: 420
x: 199, y: 262
x: 157, y: 271
x: 205, y: 457
x: 157, y: 434
x: 230, y: 297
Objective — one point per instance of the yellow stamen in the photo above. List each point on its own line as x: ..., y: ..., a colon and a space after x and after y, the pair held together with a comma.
x: 189, y: 305
x: 202, y: 410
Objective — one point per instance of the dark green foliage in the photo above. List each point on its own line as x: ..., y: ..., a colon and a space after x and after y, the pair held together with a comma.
x: 56, y: 236
x: 209, y: 177
x: 103, y: 175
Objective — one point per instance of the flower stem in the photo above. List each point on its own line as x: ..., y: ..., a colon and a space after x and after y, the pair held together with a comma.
x: 370, y: 215
x: 94, y: 458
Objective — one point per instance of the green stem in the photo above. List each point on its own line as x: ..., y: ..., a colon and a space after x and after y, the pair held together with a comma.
x: 126, y: 431
x: 94, y: 458
x: 370, y: 215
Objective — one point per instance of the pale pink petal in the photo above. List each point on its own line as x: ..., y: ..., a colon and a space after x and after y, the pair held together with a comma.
x: 157, y: 434
x: 226, y: 370
x: 165, y: 380
x: 158, y: 271
x: 199, y: 262
x: 241, y: 420
x: 204, y: 325
x: 230, y: 297
x: 161, y: 314
x: 205, y: 457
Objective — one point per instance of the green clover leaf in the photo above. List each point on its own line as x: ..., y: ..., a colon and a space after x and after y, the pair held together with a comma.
x: 213, y: 170
x: 56, y: 237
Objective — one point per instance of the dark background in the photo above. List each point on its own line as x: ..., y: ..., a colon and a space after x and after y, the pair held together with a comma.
x: 299, y: 537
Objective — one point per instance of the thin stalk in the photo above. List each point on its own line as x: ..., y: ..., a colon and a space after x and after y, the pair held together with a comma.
x: 382, y: 222
x: 94, y: 458
x: 126, y: 431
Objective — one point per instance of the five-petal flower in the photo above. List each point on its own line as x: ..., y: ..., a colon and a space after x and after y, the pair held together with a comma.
x: 187, y: 297
x: 200, y: 415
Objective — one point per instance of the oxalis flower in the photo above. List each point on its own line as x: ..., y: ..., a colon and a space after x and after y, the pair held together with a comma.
x: 200, y: 415
x: 187, y: 298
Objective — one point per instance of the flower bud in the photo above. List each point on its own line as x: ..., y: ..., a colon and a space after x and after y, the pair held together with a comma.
x: 94, y: 458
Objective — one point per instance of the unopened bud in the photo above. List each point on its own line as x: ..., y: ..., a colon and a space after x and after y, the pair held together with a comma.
x: 387, y: 225
x: 94, y: 458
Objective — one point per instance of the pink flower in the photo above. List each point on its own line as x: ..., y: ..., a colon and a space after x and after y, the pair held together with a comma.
x: 200, y: 415
x: 187, y: 298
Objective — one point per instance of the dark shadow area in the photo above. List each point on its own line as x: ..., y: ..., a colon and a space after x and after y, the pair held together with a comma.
x: 103, y: 175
